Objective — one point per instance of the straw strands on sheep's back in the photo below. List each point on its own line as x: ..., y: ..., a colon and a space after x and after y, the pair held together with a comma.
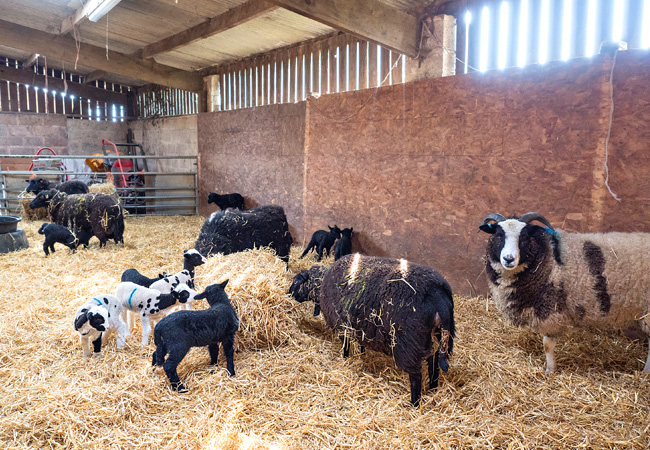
x: 298, y: 393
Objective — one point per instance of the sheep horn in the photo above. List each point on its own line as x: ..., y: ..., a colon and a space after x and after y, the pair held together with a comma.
x: 494, y: 216
x: 529, y: 217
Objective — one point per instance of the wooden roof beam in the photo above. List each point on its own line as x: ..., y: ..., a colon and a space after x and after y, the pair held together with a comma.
x: 367, y: 19
x: 80, y: 14
x: 30, y: 60
x: 28, y: 77
x: 230, y: 19
x: 63, y: 49
x: 94, y: 76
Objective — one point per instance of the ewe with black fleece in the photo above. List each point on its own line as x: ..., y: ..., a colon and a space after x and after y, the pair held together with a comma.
x: 37, y: 185
x: 234, y: 231
x: 177, y: 333
x: 99, y: 214
x: 390, y: 306
x: 552, y: 280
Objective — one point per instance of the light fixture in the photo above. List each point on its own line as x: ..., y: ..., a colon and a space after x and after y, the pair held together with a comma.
x: 99, y: 8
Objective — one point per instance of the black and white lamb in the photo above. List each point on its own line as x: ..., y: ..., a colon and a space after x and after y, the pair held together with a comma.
x: 37, y: 185
x: 344, y: 244
x: 177, y: 333
x: 191, y: 260
x: 97, y: 319
x: 99, y: 214
x: 388, y: 305
x: 225, y: 201
x: 151, y: 305
x: 552, y: 281
x: 232, y: 231
x: 57, y: 234
x: 322, y: 241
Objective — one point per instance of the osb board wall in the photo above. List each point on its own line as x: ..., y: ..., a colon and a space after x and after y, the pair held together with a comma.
x: 418, y: 166
x: 258, y: 153
x: 414, y: 168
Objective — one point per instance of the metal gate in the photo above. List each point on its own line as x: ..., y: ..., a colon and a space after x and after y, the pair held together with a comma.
x: 157, y: 191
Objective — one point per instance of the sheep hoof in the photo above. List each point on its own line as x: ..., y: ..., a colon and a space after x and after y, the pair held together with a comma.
x: 549, y: 372
x: 181, y: 389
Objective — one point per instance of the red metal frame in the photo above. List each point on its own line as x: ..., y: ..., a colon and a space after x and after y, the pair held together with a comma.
x: 105, y: 142
x: 38, y: 152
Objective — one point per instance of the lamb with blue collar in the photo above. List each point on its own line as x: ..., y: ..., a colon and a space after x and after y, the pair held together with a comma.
x: 97, y: 319
x: 150, y: 304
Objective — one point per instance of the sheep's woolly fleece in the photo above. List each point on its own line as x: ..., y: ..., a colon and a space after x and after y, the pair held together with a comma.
x: 293, y: 390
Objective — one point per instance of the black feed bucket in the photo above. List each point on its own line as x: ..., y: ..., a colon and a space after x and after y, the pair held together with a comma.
x: 12, y: 238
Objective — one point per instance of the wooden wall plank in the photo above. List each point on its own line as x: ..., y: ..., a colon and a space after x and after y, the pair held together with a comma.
x: 372, y: 64
x: 363, y: 64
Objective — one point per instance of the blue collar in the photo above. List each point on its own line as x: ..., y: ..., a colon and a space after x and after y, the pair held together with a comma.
x: 552, y: 232
x: 131, y: 296
x: 98, y: 301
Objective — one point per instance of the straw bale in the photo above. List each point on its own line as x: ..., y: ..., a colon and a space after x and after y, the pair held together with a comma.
x: 294, y: 391
x: 25, y: 199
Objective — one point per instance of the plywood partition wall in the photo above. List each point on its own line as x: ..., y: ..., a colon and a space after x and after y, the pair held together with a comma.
x: 415, y: 167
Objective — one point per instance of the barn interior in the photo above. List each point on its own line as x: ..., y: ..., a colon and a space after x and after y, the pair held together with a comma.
x: 409, y: 120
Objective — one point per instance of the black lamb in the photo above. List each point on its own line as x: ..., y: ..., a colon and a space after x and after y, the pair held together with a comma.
x: 57, y: 233
x: 388, y: 305
x: 37, y: 185
x: 224, y: 201
x: 99, y: 214
x: 344, y: 244
x: 322, y: 240
x: 232, y: 231
x: 178, y: 332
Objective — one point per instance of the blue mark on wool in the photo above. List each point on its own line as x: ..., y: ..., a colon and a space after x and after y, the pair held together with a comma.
x: 131, y: 296
x: 98, y: 301
x: 552, y: 232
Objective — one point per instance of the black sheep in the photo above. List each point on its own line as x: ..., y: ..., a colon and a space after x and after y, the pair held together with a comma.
x: 234, y: 231
x: 224, y: 201
x: 388, y: 305
x: 322, y: 240
x: 344, y: 245
x: 177, y: 333
x: 99, y: 214
x: 56, y: 233
x: 37, y: 185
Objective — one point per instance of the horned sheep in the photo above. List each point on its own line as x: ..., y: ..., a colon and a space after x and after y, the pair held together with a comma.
x: 553, y: 281
x: 390, y: 306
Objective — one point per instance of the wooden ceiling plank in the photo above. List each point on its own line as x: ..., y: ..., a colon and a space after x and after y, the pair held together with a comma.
x: 63, y: 48
x: 28, y: 77
x: 230, y: 19
x: 95, y: 75
x: 367, y: 19
x: 81, y: 13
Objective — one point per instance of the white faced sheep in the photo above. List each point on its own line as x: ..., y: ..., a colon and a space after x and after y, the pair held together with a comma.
x: 344, y: 244
x: 234, y: 231
x: 225, y: 201
x: 390, y: 306
x: 97, y: 319
x: 182, y: 330
x: 100, y: 214
x: 37, y: 185
x: 322, y: 241
x: 150, y: 304
x: 57, y: 234
x: 553, y: 281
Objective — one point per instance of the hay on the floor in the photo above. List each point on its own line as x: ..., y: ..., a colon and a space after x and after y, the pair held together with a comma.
x: 25, y: 198
x: 292, y: 388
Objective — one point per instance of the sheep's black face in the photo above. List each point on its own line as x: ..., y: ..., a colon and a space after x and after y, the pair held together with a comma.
x: 97, y: 321
x: 212, y: 198
x: 298, y: 287
x: 347, y: 232
x: 42, y: 199
x: 37, y: 185
x: 336, y: 230
x: 214, y: 293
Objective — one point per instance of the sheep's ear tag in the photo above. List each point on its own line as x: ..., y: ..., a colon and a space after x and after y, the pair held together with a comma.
x: 489, y: 228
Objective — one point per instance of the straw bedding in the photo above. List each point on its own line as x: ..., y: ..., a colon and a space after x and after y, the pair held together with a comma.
x: 293, y: 390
